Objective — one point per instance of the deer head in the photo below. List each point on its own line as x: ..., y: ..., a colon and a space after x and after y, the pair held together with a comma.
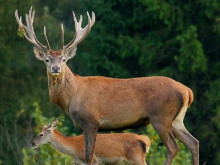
x: 45, y: 135
x: 54, y: 60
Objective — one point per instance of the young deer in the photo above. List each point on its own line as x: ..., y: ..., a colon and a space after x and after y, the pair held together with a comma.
x: 109, y: 149
x: 100, y: 103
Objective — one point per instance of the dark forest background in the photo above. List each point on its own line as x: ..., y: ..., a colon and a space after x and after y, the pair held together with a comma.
x: 175, y: 38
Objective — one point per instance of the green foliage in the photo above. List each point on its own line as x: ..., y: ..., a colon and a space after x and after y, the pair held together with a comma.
x: 21, y: 32
x: 191, y: 52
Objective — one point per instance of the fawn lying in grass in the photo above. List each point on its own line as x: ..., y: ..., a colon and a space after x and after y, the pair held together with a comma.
x: 111, y: 148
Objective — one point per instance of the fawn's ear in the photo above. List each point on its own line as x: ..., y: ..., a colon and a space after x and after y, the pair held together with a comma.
x: 39, y: 54
x: 53, y: 125
x: 70, y: 52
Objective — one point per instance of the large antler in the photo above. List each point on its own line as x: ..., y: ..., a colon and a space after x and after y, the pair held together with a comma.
x: 29, y: 29
x: 80, y: 34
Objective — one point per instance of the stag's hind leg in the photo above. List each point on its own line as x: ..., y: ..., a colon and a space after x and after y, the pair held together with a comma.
x: 166, y: 135
x: 181, y: 133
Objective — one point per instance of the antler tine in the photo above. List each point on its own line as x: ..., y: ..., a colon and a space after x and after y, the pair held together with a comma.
x: 22, y: 26
x: 75, y: 21
x: 80, y: 20
x: 81, y: 33
x: 93, y: 19
x: 29, y: 29
x: 30, y: 20
x: 45, y: 35
x: 18, y: 19
x: 32, y: 15
x: 62, y: 36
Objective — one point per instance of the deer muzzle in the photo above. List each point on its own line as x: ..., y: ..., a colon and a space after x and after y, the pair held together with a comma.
x: 34, y: 145
x: 55, y: 70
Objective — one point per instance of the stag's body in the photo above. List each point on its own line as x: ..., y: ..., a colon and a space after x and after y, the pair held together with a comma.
x: 101, y: 103
x: 118, y: 103
x: 110, y: 148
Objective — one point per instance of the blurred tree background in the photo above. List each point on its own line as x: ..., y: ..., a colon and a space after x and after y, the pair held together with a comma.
x: 175, y: 38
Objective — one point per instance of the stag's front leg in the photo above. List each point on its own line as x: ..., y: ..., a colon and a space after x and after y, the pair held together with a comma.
x: 86, y: 120
x: 90, y: 132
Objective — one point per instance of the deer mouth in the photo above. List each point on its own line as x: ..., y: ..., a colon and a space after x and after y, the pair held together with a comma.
x: 55, y: 73
x: 33, y: 145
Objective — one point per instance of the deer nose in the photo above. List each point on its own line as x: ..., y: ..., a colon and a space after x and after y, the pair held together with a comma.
x: 55, y: 69
x: 33, y: 144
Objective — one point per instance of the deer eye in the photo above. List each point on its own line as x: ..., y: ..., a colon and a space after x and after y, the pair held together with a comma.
x: 41, y: 135
x: 64, y: 60
x: 47, y: 60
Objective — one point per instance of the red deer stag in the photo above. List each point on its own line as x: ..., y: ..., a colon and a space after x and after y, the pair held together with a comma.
x: 101, y: 103
x: 111, y: 148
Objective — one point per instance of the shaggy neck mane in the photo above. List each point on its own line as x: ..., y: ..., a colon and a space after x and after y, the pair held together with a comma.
x: 62, y: 87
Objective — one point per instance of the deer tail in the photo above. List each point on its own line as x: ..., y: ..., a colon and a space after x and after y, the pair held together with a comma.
x: 190, y: 97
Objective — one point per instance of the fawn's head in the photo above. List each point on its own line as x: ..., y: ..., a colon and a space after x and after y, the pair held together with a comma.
x: 54, y: 60
x: 45, y: 135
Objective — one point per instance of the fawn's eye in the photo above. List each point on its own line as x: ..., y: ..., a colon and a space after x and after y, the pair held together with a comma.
x: 47, y: 60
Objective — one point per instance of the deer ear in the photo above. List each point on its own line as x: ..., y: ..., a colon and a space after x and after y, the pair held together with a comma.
x: 70, y: 52
x: 39, y: 54
x: 53, y: 125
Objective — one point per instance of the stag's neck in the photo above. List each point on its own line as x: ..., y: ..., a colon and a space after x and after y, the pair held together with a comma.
x: 61, y: 143
x: 62, y: 88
